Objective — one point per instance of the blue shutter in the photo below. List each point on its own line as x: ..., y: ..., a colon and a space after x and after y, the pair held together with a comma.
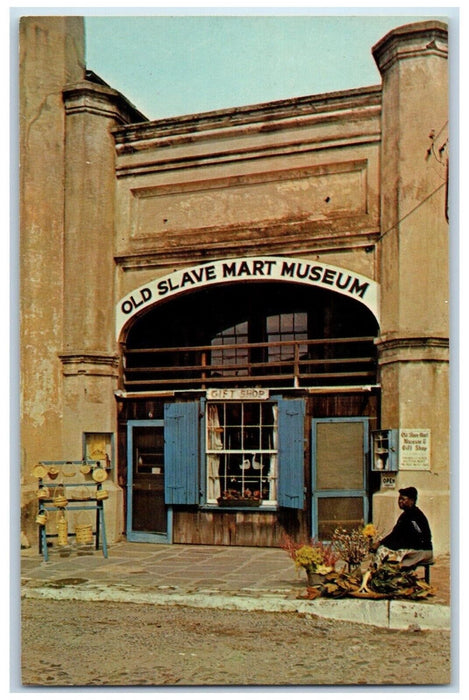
x: 291, y: 453
x: 181, y: 438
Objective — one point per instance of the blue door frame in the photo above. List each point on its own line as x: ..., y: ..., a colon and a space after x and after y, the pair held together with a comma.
x: 138, y: 535
x: 338, y: 493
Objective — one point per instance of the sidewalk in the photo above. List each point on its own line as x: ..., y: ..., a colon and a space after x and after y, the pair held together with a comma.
x: 243, y: 578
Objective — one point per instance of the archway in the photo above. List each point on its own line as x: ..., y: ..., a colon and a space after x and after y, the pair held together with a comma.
x: 251, y: 333
x: 284, y: 270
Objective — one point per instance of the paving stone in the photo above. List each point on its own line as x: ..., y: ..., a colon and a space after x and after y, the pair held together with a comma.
x: 261, y: 577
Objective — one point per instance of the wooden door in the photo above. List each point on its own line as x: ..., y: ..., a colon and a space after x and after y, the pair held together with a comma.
x: 148, y: 517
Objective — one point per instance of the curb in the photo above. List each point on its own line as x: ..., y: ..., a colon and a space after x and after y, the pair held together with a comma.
x: 393, y: 614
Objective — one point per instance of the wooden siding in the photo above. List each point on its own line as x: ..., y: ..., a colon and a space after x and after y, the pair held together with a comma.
x: 238, y: 528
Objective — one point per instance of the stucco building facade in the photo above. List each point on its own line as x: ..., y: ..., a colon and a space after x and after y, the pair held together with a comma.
x: 230, y: 305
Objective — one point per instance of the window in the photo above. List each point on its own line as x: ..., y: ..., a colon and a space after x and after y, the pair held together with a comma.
x: 254, y: 448
x: 148, y: 445
x: 242, y: 453
x: 231, y: 356
x: 286, y: 327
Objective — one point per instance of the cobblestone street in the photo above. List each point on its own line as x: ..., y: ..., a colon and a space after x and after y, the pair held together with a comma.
x: 74, y: 643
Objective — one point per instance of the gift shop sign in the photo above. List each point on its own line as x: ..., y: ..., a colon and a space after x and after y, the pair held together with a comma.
x: 311, y: 273
x: 414, y: 449
x: 251, y: 394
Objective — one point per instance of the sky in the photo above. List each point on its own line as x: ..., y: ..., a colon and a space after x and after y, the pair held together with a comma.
x: 172, y: 65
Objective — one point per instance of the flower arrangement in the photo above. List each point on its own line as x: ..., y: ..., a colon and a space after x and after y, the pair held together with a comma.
x: 354, y: 546
x: 316, y: 557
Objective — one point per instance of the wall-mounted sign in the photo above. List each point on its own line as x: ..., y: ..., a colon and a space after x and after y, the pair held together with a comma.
x: 336, y: 279
x: 414, y: 449
x: 247, y: 394
x: 388, y: 481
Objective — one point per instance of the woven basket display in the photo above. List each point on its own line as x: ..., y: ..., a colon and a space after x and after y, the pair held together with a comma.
x: 60, y: 501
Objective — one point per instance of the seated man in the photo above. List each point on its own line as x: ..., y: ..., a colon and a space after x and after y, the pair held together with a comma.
x: 410, y: 541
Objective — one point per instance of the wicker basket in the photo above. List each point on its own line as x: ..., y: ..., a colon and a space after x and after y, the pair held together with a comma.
x: 43, y: 493
x: 41, y: 518
x: 99, y: 475
x: 62, y: 529
x: 58, y: 497
x: 60, y: 501
x: 84, y: 534
x: 39, y: 471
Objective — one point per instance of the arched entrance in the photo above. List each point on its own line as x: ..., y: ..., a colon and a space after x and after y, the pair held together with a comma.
x: 251, y: 334
x: 252, y: 397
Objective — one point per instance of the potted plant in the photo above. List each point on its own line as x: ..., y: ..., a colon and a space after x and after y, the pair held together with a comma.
x: 231, y: 498
x: 315, y: 557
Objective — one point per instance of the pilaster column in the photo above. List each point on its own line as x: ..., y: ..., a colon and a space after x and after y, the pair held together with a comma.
x: 413, y: 255
x: 89, y: 353
x: 51, y: 53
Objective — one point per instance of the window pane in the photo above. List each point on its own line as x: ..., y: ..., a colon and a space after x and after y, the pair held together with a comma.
x: 234, y: 356
x: 287, y: 323
x: 339, y: 455
x: 233, y: 413
x: 149, y: 447
x: 273, y: 324
x: 267, y: 414
x: 251, y: 413
x: 346, y: 513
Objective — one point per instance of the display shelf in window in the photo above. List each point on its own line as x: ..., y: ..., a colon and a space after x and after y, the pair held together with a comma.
x: 385, y: 450
x: 99, y: 447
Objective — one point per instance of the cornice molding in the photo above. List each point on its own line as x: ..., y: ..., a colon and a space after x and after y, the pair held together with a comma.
x: 101, y: 100
x: 163, y: 160
x: 411, y: 41
x: 262, y: 118
x: 89, y: 363
x: 255, y: 244
x: 412, y: 348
